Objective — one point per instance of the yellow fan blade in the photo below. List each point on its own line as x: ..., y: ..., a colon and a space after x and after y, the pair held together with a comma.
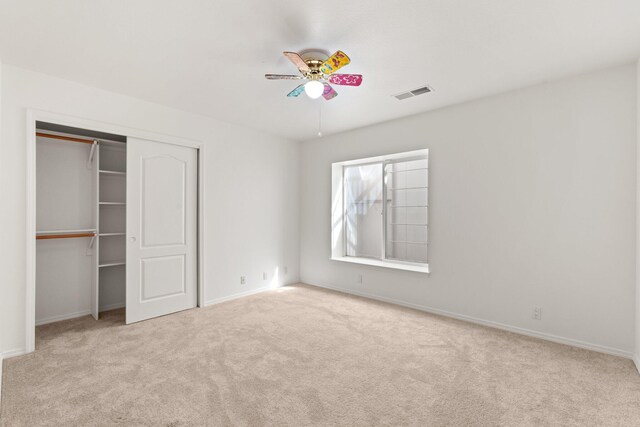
x: 335, y: 62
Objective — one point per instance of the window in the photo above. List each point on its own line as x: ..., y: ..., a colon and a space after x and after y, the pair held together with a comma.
x: 380, y: 211
x: 363, y: 210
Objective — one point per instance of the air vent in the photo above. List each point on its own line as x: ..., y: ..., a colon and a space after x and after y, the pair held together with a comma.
x: 404, y: 95
x: 414, y: 92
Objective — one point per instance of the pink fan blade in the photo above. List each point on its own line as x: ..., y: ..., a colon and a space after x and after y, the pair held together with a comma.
x: 329, y: 93
x: 297, y: 61
x: 346, y: 79
x: 297, y: 91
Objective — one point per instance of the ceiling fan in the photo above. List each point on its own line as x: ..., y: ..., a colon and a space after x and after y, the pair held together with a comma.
x: 319, y: 74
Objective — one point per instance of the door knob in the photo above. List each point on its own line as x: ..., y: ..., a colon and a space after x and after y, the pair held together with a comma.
x: 132, y: 239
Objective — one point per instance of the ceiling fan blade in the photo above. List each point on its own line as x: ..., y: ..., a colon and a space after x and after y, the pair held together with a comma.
x: 329, y: 93
x: 346, y: 79
x: 297, y: 91
x: 297, y: 61
x: 282, y: 77
x: 335, y: 62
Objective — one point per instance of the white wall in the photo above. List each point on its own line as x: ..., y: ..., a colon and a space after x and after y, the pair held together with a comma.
x: 3, y: 304
x: 532, y: 204
x: 251, y: 188
x: 636, y: 357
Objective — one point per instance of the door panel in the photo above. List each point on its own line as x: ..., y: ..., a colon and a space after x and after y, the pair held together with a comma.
x: 161, y: 229
x: 162, y: 277
x: 164, y: 187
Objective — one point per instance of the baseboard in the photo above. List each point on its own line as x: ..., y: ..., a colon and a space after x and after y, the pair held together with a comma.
x: 62, y: 317
x: 238, y: 295
x: 492, y: 324
x: 82, y: 313
x: 112, y: 307
x: 636, y: 360
x: 13, y: 353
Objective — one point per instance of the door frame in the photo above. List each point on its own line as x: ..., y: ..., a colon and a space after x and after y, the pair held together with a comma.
x: 34, y: 116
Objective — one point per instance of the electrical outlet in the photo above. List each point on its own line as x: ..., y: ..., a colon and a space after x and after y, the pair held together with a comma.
x: 264, y: 275
x: 243, y: 280
x: 359, y: 278
x: 537, y: 313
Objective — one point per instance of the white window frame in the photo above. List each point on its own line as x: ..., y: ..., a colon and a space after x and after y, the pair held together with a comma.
x: 338, y: 227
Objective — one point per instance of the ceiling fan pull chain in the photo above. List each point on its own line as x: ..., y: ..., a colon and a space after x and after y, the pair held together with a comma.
x: 320, y: 120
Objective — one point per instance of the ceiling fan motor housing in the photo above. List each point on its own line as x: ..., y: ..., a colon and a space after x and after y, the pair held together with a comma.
x: 314, y: 65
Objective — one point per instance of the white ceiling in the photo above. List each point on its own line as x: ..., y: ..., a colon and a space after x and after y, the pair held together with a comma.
x: 209, y: 57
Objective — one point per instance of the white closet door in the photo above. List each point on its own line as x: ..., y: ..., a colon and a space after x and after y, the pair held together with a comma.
x: 161, y: 229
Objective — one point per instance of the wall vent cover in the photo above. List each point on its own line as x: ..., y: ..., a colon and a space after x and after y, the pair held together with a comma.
x: 413, y: 92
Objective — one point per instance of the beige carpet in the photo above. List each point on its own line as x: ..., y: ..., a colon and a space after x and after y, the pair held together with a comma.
x: 304, y: 356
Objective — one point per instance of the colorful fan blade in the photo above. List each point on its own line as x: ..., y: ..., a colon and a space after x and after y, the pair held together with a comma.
x: 282, y: 77
x: 346, y: 79
x: 297, y: 61
x: 297, y: 91
x: 329, y: 93
x: 335, y: 62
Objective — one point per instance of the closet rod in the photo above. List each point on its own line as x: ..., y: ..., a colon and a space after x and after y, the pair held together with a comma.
x: 65, y: 138
x: 64, y: 236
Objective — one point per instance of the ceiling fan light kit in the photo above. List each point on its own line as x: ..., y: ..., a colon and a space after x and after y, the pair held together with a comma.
x: 319, y: 74
x: 314, y: 89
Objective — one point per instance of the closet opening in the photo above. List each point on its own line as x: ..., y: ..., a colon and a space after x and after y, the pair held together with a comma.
x: 80, y: 222
x: 114, y: 222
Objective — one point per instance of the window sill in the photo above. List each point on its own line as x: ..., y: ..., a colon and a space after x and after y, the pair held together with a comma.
x: 420, y: 268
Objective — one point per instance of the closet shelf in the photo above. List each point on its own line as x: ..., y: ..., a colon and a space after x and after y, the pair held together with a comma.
x: 110, y: 234
x: 108, y: 172
x: 111, y: 263
x: 64, y: 234
x: 112, y: 203
x: 112, y: 142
